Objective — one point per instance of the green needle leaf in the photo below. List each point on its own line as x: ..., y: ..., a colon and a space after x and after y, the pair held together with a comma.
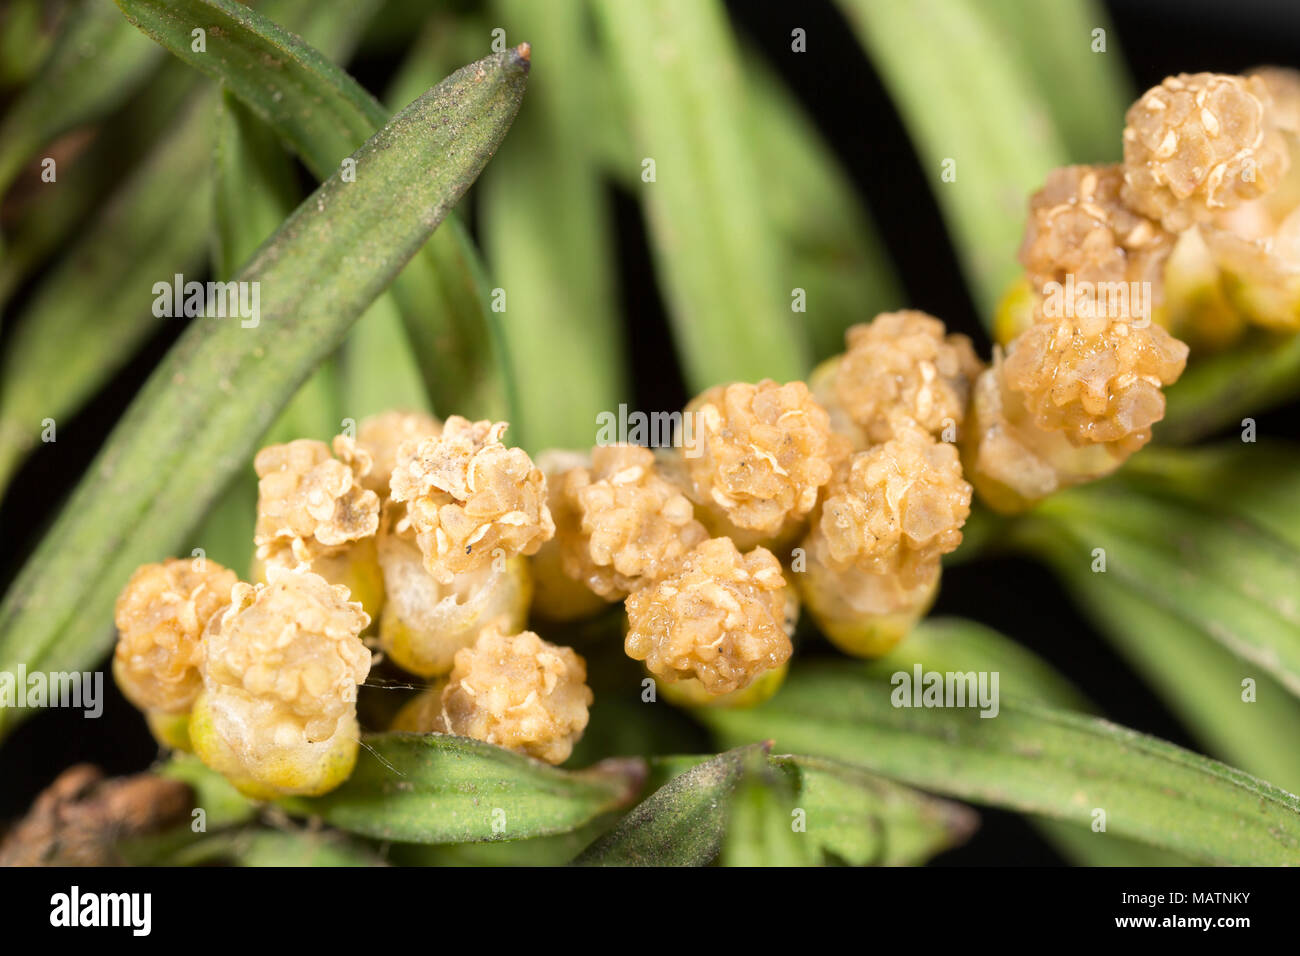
x: 974, y: 116
x: 28, y: 29
x: 98, y: 296
x: 254, y: 189
x: 1198, y: 679
x: 828, y: 241
x: 434, y: 788
x: 95, y: 64
x: 681, y: 823
x: 961, y: 646
x: 561, y: 319
x: 1218, y: 390
x: 1254, y: 489
x: 762, y: 810
x: 378, y: 368
x: 1263, y: 478
x: 43, y: 221
x: 870, y: 821
x: 953, y: 644
x: 554, y: 850
x: 259, y: 846
x: 1030, y: 758
x: 1235, y: 582
x: 197, y: 420
x: 323, y: 115
x: 222, y: 804
x: 248, y: 846
x: 719, y: 263
x: 761, y: 818
x: 1076, y: 69
x: 311, y: 104
x: 154, y: 226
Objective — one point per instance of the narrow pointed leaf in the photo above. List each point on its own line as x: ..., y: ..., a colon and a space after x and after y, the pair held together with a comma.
x: 554, y: 850
x: 984, y: 135
x: 561, y: 320
x: 682, y: 80
x: 958, y: 645
x: 197, y: 420
x: 1217, y: 391
x: 254, y: 190
x: 1253, y: 488
x: 1029, y: 758
x: 828, y: 242
x: 152, y: 228
x: 1071, y: 51
x: 222, y: 804
x: 377, y: 368
x: 681, y: 823
x: 249, y: 846
x: 1199, y: 680
x: 1258, y: 483
x: 95, y: 64
x: 41, y: 223
x: 99, y: 296
x: 433, y: 788
x: 954, y: 645
x: 310, y: 102
x: 870, y: 821
x: 1230, y: 579
x: 323, y: 115
x: 761, y: 817
x: 254, y: 185
x: 746, y: 804
x: 259, y: 846
x: 447, y: 37
x: 28, y: 29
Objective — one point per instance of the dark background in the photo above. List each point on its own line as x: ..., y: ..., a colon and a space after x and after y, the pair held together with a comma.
x: 842, y: 93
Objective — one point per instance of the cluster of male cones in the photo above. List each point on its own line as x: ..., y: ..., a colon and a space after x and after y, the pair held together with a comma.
x: 433, y: 542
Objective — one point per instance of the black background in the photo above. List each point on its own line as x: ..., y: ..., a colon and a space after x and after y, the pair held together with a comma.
x: 841, y: 92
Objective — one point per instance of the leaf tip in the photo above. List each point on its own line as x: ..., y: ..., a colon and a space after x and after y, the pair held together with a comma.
x: 525, y: 53
x: 629, y: 775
